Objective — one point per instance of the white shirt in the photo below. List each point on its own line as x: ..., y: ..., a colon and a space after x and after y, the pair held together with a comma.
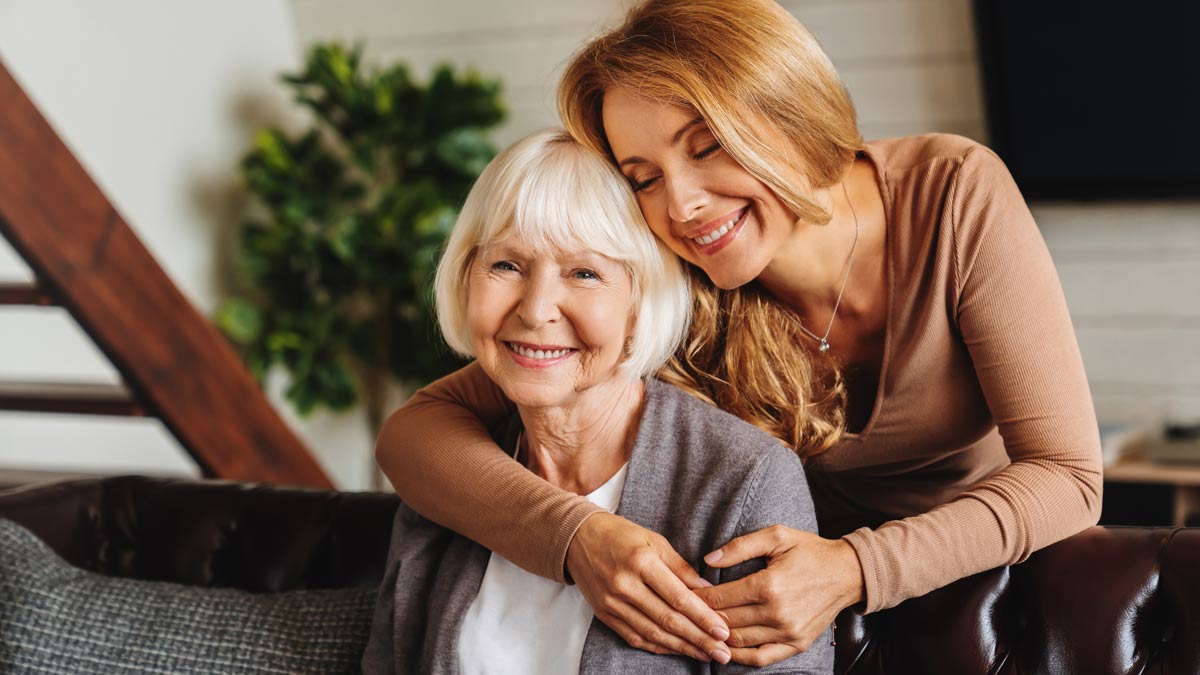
x: 520, y: 623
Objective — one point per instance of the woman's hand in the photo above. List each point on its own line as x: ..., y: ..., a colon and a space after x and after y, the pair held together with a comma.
x: 640, y: 587
x: 779, y: 611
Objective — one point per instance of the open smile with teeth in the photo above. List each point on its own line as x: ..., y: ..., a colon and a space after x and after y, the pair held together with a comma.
x: 538, y: 354
x: 705, y: 240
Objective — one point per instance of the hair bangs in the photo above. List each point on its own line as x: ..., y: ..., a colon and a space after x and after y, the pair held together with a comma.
x: 567, y: 200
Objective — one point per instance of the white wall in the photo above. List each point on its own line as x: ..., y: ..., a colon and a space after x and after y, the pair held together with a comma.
x: 1131, y: 272
x: 159, y: 102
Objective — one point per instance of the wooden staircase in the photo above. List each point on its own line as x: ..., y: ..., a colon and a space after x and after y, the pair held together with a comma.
x: 174, y: 364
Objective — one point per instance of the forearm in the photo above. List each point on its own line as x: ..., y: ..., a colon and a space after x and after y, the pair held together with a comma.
x: 438, y: 453
x: 1026, y: 506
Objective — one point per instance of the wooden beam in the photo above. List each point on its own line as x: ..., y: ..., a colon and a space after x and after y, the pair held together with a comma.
x: 61, y: 397
x: 172, y: 358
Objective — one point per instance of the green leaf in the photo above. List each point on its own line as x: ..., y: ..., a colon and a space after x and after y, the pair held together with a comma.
x: 341, y: 238
x: 465, y: 150
x: 271, y: 147
x: 327, y: 383
x: 384, y: 99
x: 282, y: 342
x: 240, y: 320
x: 436, y: 223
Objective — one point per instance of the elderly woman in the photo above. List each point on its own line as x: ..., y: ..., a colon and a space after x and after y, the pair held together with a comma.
x: 568, y: 304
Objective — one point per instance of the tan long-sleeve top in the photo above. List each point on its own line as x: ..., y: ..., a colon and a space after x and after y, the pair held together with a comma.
x: 982, y: 446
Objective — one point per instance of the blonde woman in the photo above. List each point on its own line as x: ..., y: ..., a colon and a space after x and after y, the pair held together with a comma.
x: 888, y: 309
x: 568, y: 304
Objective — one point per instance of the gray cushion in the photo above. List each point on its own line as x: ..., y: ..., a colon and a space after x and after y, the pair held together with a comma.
x: 56, y: 618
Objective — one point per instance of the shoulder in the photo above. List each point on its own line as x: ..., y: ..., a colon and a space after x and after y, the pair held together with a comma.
x: 936, y: 179
x: 414, y: 534
x: 703, y: 436
x: 939, y: 167
x: 924, y: 154
x: 696, y: 472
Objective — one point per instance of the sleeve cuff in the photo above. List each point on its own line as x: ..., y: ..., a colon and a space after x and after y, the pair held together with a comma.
x: 860, y: 540
x: 579, y: 512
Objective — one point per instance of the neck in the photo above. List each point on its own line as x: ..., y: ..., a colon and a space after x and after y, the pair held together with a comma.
x: 580, y: 446
x: 807, y: 273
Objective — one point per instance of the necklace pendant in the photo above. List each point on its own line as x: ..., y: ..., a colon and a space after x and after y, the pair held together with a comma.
x: 824, y: 346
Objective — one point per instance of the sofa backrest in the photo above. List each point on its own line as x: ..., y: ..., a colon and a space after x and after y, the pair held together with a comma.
x: 210, y: 533
x: 1108, y: 600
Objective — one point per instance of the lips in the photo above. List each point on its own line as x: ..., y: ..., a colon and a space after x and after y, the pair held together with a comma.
x: 718, y: 234
x: 538, y: 356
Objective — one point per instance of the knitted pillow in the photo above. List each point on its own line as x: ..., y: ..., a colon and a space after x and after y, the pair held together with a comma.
x: 57, y: 618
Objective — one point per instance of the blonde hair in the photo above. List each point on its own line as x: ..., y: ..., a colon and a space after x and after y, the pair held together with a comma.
x: 773, y: 100
x: 554, y: 194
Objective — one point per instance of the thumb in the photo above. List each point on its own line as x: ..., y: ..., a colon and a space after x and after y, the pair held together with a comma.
x: 680, y: 568
x: 762, y: 543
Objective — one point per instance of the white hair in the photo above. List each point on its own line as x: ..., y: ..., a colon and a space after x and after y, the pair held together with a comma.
x: 557, y: 195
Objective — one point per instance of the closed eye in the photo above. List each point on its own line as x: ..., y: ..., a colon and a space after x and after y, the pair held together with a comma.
x: 707, y: 151
x: 638, y: 186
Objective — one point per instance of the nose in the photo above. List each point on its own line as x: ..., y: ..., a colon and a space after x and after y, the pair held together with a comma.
x: 685, y: 196
x: 540, y: 300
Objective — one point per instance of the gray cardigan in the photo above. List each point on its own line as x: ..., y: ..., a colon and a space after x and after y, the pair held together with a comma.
x: 697, y: 475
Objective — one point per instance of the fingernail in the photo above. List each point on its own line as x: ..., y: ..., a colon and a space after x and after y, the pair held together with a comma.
x: 714, y: 557
x: 720, y: 656
x: 705, y: 583
x: 720, y: 632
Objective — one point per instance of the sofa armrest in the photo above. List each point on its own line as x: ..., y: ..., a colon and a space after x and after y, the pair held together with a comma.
x: 1107, y: 600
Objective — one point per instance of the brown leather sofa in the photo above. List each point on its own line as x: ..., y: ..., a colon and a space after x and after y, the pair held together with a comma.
x: 1109, y: 600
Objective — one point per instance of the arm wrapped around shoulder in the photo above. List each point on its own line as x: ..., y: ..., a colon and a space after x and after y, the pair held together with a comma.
x: 440, y: 454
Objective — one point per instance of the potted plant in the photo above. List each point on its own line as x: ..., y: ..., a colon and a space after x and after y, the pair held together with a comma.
x: 336, y: 260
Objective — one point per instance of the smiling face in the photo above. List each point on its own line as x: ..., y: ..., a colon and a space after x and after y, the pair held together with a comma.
x: 548, y: 326
x: 696, y: 197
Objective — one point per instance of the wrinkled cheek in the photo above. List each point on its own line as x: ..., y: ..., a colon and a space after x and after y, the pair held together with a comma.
x: 597, y: 365
x: 587, y: 364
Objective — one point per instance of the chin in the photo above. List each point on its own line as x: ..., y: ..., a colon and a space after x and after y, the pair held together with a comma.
x: 729, y: 279
x: 528, y: 396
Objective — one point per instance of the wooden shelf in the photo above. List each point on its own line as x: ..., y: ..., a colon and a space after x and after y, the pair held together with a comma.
x: 16, y: 293
x: 1141, y: 471
x: 78, y: 398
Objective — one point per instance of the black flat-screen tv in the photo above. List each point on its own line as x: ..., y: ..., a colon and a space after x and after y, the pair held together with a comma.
x: 1094, y: 99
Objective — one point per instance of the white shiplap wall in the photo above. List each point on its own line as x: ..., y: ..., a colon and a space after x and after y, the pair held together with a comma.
x: 525, y: 43
x: 1131, y: 272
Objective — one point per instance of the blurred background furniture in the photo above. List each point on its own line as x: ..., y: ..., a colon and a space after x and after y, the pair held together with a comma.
x: 173, y: 362
x: 1109, y: 600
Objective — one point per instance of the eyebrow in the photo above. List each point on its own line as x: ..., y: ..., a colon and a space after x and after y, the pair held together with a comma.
x: 674, y: 140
